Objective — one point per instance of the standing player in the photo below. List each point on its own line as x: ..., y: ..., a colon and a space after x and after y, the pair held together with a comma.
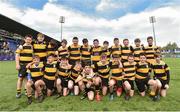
x: 47, y: 82
x: 74, y: 51
x: 86, y: 50
x: 137, y: 49
x: 34, y: 74
x: 150, y: 50
x: 96, y: 52
x: 126, y: 50
x: 116, y: 48
x: 40, y: 47
x: 102, y: 70
x: 106, y: 50
x: 142, y: 78
x: 24, y: 55
x: 129, y: 69
x: 115, y: 82
x: 161, y: 75
x: 63, y: 50
x: 52, y: 47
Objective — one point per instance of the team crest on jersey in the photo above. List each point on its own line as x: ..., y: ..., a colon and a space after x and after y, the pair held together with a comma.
x: 54, y: 66
x: 162, y: 67
x: 66, y: 71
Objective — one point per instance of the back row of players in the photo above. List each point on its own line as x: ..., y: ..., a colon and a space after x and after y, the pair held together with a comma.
x: 89, y: 69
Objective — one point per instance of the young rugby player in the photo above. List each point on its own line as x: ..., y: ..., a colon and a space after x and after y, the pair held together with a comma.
x: 137, y: 49
x: 142, y: 78
x: 34, y: 74
x: 47, y: 82
x: 87, y: 77
x: 116, y: 48
x: 64, y: 69
x: 96, y: 52
x: 126, y: 50
x: 62, y: 50
x: 115, y: 82
x: 161, y: 75
x: 129, y: 69
x: 24, y: 55
x: 74, y: 51
x: 106, y: 50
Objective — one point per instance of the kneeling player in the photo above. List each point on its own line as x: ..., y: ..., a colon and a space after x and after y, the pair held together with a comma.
x: 143, y: 79
x: 34, y: 74
x: 47, y: 82
x: 161, y: 75
x: 72, y: 85
x: 87, y: 77
x: 115, y: 82
x: 102, y: 69
x: 129, y: 69
x: 63, y: 72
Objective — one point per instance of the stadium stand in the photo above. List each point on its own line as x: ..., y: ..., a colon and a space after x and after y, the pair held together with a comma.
x: 11, y: 35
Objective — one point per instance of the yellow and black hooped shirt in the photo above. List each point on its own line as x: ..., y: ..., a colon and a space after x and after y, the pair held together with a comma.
x: 86, y: 52
x: 25, y: 54
x: 36, y: 70
x: 40, y: 49
x: 137, y: 51
x: 143, y: 70
x: 96, y: 54
x: 129, y: 70
x: 102, y: 69
x: 50, y: 70
x: 125, y: 52
x: 107, y: 52
x: 63, y: 71
x: 63, y: 52
x: 116, y: 50
x: 74, y: 52
x: 116, y: 71
x: 74, y: 73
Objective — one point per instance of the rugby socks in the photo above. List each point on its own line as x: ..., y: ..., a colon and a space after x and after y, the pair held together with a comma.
x: 18, y: 91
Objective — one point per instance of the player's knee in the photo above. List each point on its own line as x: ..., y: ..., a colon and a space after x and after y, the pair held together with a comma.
x: 111, y: 83
x: 70, y: 84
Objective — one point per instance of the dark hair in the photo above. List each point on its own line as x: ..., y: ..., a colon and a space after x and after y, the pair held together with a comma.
x: 75, y: 38
x: 36, y: 56
x: 105, y: 42
x: 130, y: 55
x: 85, y: 40
x: 115, y: 56
x: 125, y: 40
x: 137, y: 40
x: 142, y: 54
x: 64, y: 41
x: 116, y: 39
x: 30, y: 36
x: 150, y: 37
x: 64, y: 57
x: 51, y: 55
x: 95, y: 40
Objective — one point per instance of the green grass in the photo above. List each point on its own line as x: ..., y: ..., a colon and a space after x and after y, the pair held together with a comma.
x: 8, y: 78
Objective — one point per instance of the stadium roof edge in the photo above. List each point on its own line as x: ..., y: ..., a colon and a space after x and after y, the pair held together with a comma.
x: 13, y: 26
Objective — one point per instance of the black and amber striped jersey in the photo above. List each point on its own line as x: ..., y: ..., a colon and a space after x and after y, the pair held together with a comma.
x: 40, y: 49
x: 107, y: 52
x: 36, y: 70
x: 86, y: 52
x: 63, y: 52
x: 74, y: 73
x: 129, y: 70
x: 96, y: 54
x: 50, y: 70
x: 150, y: 51
x: 116, y: 50
x: 143, y: 70
x: 25, y: 54
x: 125, y: 51
x: 74, y: 52
x: 103, y: 70
x: 63, y: 71
x: 137, y: 51
x: 116, y: 71
x: 50, y: 49
x: 161, y: 70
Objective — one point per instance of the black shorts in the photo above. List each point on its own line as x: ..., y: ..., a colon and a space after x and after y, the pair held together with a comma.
x: 43, y: 59
x: 104, y: 81
x: 131, y: 82
x: 163, y: 82
x: 64, y: 81
x: 75, y: 84
x: 142, y: 84
x: 49, y: 83
x: 22, y: 71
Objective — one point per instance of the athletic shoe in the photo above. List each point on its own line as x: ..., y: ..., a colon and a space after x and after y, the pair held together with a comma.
x: 111, y: 97
x: 29, y: 101
x: 40, y: 98
x: 18, y: 95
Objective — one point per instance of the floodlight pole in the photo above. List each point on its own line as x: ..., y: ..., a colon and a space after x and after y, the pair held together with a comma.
x: 152, y: 21
x: 61, y: 20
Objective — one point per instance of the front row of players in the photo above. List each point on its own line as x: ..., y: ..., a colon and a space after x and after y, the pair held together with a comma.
x: 115, y: 77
